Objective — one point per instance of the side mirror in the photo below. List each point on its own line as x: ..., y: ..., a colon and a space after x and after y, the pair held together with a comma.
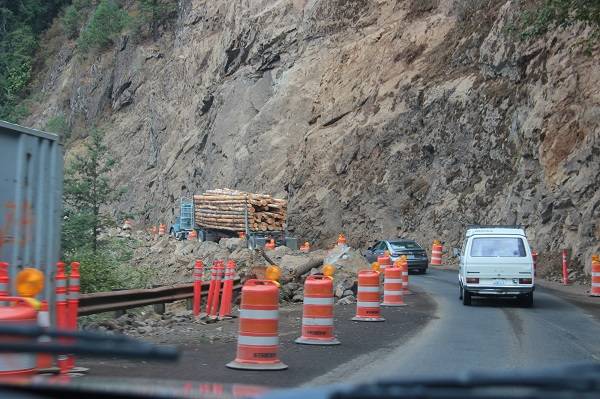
x: 370, y: 248
x: 455, y: 252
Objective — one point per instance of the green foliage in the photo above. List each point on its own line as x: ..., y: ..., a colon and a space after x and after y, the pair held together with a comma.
x: 21, y: 23
x: 561, y: 13
x: 58, y: 125
x: 107, y: 22
x: 153, y: 13
x: 70, y: 21
x: 86, y: 192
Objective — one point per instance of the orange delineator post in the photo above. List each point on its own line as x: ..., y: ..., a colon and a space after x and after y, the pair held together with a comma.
x: 368, y: 301
x: 162, y: 230
x: 4, y: 280
x: 341, y: 239
x: 317, y: 313
x: 217, y: 290
x: 73, y: 303
x: 225, y: 310
x: 62, y: 320
x: 595, y: 291
x: 393, y: 291
x: 211, y: 287
x: 258, y: 338
x: 436, y: 253
x: 565, y: 268
x: 198, y: 272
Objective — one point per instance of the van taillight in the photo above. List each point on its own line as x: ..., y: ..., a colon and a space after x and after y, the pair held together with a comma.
x: 472, y: 280
x: 524, y: 281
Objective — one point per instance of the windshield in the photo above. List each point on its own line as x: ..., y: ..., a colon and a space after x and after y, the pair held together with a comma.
x: 498, y: 247
x: 404, y: 245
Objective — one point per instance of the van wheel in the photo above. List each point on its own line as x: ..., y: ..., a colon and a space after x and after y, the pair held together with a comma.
x: 527, y: 300
x: 466, y: 298
x: 460, y: 295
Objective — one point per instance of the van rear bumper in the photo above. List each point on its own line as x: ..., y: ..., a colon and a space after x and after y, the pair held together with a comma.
x: 500, y: 291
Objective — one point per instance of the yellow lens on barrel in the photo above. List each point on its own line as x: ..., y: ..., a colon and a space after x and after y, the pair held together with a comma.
x: 273, y: 273
x: 328, y: 270
x: 375, y: 266
x: 30, y: 282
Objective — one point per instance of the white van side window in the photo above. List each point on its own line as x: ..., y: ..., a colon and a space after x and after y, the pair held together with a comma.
x: 498, y: 247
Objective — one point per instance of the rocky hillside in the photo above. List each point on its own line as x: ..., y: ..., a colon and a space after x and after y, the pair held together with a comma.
x: 376, y: 118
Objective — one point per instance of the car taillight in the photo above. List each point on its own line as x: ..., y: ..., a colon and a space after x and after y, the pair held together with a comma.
x: 524, y: 281
x: 472, y: 280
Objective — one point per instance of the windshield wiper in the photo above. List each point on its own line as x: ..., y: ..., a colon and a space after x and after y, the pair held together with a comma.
x: 580, y: 381
x: 81, y: 343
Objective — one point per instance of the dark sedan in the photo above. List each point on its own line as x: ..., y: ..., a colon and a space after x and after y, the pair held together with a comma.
x: 416, y: 255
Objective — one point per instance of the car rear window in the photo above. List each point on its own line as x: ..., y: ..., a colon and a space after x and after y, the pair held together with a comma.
x: 402, y: 245
x: 498, y: 247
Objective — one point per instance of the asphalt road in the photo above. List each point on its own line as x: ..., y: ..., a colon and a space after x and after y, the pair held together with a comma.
x: 489, y: 335
x: 205, y: 361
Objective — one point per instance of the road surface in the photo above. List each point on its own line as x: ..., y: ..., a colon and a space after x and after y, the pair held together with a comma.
x: 434, y: 335
x: 495, y: 334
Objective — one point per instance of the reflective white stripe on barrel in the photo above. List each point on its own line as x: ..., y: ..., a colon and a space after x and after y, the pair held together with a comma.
x: 595, y: 274
x: 368, y: 289
x: 365, y: 304
x: 314, y: 321
x: 258, y: 341
x: 405, y: 273
x: 389, y: 292
x: 595, y: 284
x: 74, y: 282
x: 318, y: 301
x: 393, y: 281
x: 259, y: 314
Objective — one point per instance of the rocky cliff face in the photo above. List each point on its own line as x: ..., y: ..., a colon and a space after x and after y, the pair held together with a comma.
x: 375, y: 118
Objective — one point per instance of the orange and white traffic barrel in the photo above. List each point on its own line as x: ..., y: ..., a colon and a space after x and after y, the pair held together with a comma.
x: 44, y: 360
x: 19, y: 312
x: 162, y: 230
x: 317, y: 316
x: 270, y: 245
x: 436, y: 253
x: 305, y: 248
x: 192, y: 236
x: 384, y: 261
x: 403, y: 264
x: 341, y: 240
x: 367, y: 304
x: 258, y: 338
x: 393, y: 292
x: 595, y: 291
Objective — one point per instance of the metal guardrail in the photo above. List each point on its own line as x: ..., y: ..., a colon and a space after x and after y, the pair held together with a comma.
x: 127, y: 299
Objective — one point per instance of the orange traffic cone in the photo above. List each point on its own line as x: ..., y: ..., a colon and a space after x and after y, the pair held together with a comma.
x: 317, y: 316
x: 192, y: 236
x: 162, y: 229
x: 393, y: 293
x: 341, y: 239
x: 305, y: 247
x: 211, y: 287
x: 367, y: 304
x: 270, y: 245
x: 198, y: 274
x: 258, y: 338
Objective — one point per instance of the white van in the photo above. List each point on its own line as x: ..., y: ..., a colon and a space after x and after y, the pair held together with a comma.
x: 496, y: 261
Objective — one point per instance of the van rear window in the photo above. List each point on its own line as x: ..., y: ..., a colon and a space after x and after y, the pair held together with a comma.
x: 498, y: 247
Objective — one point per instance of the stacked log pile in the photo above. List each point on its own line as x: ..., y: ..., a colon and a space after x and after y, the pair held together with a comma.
x: 226, y: 209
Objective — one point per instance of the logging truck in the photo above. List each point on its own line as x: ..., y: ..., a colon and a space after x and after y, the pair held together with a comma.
x: 218, y: 214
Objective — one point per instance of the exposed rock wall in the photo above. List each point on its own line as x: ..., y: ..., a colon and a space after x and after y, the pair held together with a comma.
x: 376, y: 118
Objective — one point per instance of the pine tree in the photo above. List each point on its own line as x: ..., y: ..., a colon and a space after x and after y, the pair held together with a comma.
x: 86, y: 192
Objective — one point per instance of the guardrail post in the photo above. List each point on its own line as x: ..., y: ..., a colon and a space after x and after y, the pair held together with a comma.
x: 159, y: 308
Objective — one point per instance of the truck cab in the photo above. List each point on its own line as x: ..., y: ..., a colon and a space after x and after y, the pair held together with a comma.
x: 496, y: 261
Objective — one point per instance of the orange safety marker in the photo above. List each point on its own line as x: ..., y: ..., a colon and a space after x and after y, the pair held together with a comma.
x: 341, y: 239
x: 4, y: 280
x: 317, y: 314
x: 384, y: 261
x: 565, y: 268
x: 404, y: 265
x: 198, y: 274
x: 192, y: 236
x: 258, y: 338
x: 595, y: 291
x: 393, y: 291
x: 270, y: 245
x: 436, y: 253
x: 217, y: 290
x: 162, y: 229
x: 211, y: 287
x: 225, y: 310
x: 62, y: 320
x: 22, y: 313
x: 367, y: 304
